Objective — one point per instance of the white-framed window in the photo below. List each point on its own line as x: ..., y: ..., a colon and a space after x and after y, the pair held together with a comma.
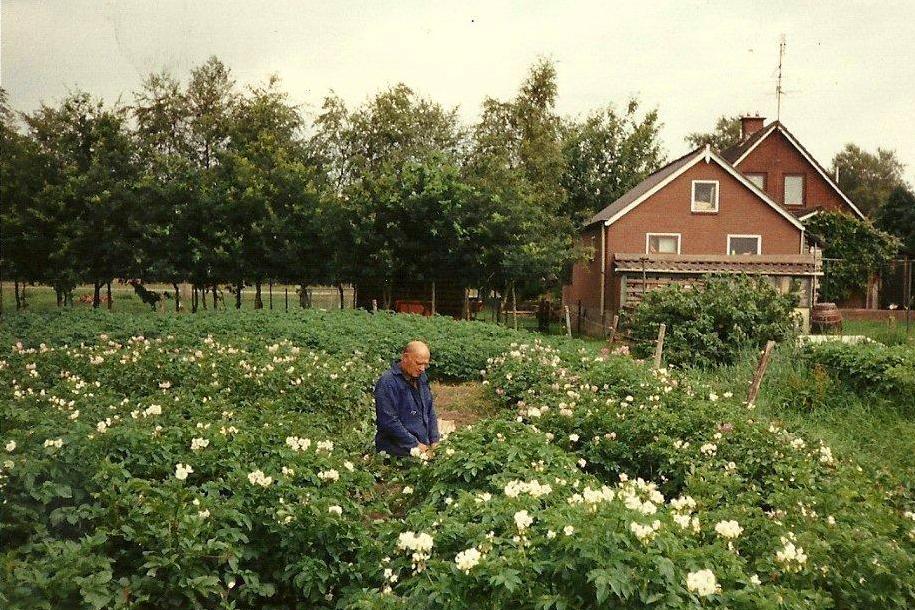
x: 794, y: 190
x: 662, y: 243
x: 758, y: 179
x: 744, y: 244
x: 705, y: 196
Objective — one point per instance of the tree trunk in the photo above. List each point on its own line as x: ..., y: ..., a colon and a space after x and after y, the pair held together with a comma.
x: 270, y: 294
x: 239, y: 286
x: 177, y: 297
x: 60, y: 296
x: 342, y: 301
x: 304, y: 296
x: 214, y: 297
x: 108, y: 285
x: 258, y: 302
x: 203, y: 296
x: 97, y: 295
x: 16, y: 290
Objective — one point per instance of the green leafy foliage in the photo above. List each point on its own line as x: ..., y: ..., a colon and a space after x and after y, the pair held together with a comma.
x: 861, y: 251
x: 871, y: 368
x: 712, y: 323
x: 599, y: 482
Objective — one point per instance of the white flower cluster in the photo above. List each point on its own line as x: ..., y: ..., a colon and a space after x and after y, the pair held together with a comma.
x: 523, y: 520
x: 791, y: 556
x: 593, y: 497
x: 645, y: 533
x: 633, y: 492
x: 826, y: 455
x: 182, y: 470
x: 327, y: 446
x: 58, y: 443
x: 152, y: 410
x: 258, y: 478
x: 419, y: 453
x: 11, y: 446
x: 910, y: 515
x: 329, y: 475
x: 467, y: 560
x: 335, y: 510
x: 702, y: 583
x: 419, y: 544
x: 515, y: 488
x: 298, y: 444
x: 681, y: 511
x: 728, y: 529
x: 709, y: 449
x: 199, y: 443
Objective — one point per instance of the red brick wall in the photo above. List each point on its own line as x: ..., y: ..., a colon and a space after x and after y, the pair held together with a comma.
x: 739, y: 212
x: 586, y: 275
x: 777, y: 157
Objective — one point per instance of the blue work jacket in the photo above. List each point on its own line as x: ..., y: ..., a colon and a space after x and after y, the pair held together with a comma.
x: 401, y: 422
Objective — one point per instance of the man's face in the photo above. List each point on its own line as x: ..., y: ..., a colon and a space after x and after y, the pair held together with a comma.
x: 415, y: 363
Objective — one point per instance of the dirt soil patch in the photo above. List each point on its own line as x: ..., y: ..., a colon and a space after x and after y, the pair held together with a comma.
x: 460, y: 403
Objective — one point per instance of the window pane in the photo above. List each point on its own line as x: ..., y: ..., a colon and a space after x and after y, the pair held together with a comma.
x: 794, y: 190
x: 744, y: 245
x: 705, y: 196
x: 758, y: 179
x: 663, y: 244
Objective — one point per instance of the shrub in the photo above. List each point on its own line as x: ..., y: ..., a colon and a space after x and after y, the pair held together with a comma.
x: 711, y: 323
x: 871, y: 369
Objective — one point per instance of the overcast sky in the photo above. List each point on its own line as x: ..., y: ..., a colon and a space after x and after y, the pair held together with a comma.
x: 849, y: 68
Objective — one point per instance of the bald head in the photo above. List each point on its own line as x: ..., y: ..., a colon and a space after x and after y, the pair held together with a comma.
x: 415, y: 359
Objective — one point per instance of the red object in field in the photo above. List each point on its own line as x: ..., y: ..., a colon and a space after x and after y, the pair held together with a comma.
x: 419, y: 307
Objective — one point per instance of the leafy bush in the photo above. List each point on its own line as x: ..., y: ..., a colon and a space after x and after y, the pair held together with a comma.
x: 871, y: 369
x: 712, y: 323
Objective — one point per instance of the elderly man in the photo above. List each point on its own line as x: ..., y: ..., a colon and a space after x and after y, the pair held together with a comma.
x: 404, y: 415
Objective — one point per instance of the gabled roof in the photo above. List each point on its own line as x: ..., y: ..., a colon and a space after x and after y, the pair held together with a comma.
x: 737, y: 153
x: 661, y: 178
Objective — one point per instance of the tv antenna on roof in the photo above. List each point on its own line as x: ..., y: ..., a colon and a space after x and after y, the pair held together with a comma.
x: 782, y: 43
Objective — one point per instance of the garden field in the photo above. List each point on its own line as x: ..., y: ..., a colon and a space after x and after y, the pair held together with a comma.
x: 225, y: 461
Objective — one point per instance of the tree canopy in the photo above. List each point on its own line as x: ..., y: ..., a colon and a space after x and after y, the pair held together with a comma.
x: 868, y: 178
x: 725, y: 134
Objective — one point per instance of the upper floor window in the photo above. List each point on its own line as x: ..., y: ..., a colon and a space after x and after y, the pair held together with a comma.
x: 794, y: 190
x: 705, y: 196
x: 758, y: 179
x: 744, y: 244
x: 662, y: 243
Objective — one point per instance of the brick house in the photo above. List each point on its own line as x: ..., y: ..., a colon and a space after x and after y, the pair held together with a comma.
x: 696, y: 215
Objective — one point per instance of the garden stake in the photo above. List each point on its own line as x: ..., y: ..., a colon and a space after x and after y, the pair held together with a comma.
x: 568, y: 322
x: 659, y: 348
x: 760, y: 371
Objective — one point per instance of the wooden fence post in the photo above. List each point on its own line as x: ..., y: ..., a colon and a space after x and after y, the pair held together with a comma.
x: 578, y: 321
x: 374, y: 305
x: 760, y: 371
x: 514, y: 307
x: 568, y: 322
x: 287, y: 298
x: 659, y: 347
x: 616, y: 321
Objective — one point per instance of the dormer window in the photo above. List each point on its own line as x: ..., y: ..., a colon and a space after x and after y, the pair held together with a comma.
x: 794, y: 190
x: 705, y: 196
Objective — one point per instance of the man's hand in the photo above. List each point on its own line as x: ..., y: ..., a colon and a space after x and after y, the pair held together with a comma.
x: 423, y: 448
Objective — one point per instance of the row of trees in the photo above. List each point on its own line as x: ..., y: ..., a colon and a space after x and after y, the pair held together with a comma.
x: 204, y: 183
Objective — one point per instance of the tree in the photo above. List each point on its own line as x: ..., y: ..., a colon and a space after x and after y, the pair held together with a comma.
x: 725, y: 134
x: 897, y: 217
x: 606, y: 155
x: 27, y: 238
x: 867, y: 178
x: 860, y: 251
x: 92, y: 196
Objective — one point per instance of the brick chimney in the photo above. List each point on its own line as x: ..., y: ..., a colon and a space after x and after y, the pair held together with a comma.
x: 750, y: 125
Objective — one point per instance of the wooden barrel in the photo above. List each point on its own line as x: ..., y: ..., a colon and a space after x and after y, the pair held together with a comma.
x: 826, y: 318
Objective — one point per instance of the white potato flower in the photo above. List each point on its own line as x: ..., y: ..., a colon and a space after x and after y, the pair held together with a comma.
x: 523, y: 520
x: 182, y: 470
x: 467, y: 560
x: 702, y: 583
x: 728, y: 529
